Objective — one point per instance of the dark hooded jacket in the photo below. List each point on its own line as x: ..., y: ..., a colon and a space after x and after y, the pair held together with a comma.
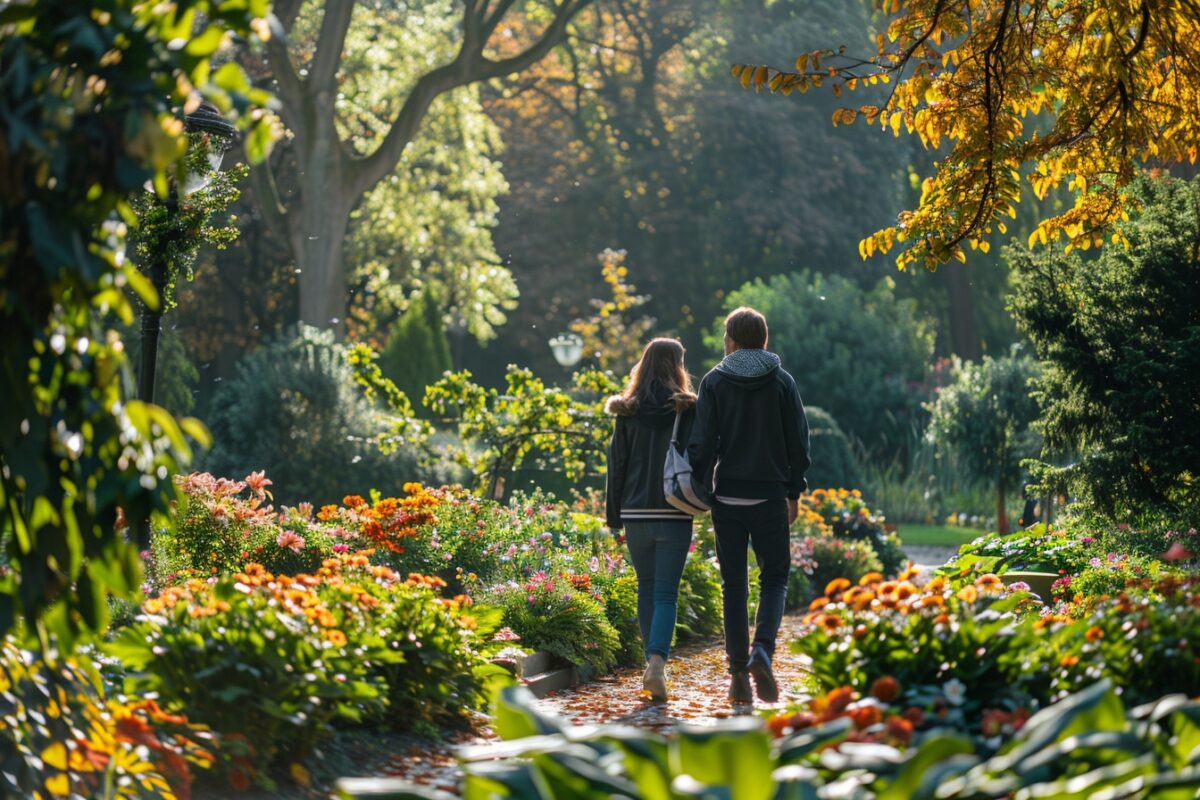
x: 751, y: 435
x: 634, y: 490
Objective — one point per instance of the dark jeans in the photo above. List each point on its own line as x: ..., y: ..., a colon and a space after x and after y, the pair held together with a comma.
x: 658, y: 551
x: 766, y: 527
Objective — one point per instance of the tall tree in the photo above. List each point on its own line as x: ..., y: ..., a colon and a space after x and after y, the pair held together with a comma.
x: 1081, y: 90
x: 332, y: 174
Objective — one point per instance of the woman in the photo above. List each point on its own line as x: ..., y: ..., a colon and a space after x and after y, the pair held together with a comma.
x: 658, y: 536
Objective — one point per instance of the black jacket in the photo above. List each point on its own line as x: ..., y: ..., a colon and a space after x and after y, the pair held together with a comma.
x: 751, y: 434
x: 634, y: 490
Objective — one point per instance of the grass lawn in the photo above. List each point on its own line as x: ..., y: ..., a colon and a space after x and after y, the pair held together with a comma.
x: 939, y: 535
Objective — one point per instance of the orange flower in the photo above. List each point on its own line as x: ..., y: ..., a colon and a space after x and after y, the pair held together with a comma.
x: 968, y: 594
x: 327, y: 513
x: 885, y: 688
x: 818, y: 603
x: 989, y: 583
x: 1094, y: 633
x: 1069, y: 661
x: 353, y: 501
x: 936, y: 585
x: 839, y: 699
x: 932, y: 600
x: 905, y: 590
x: 336, y: 637
x: 866, y: 715
x: 900, y: 729
x: 836, y: 585
x: 870, y: 578
x: 831, y: 622
x: 779, y: 724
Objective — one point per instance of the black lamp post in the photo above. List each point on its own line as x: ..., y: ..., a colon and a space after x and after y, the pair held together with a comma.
x: 220, y: 133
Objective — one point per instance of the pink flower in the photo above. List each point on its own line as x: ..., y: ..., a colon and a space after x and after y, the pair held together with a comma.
x: 506, y: 634
x: 291, y: 541
x: 341, y: 547
x: 1176, y: 552
x: 258, y: 483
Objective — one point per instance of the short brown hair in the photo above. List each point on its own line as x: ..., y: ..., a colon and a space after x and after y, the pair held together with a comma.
x: 746, y: 327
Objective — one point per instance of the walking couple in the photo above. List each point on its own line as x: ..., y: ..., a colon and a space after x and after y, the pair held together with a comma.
x: 747, y: 438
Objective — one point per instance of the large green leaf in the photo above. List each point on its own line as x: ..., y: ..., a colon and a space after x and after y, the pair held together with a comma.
x: 933, y: 751
x: 799, y: 745
x: 734, y: 754
x: 1096, y: 708
x: 494, y: 779
x: 516, y: 717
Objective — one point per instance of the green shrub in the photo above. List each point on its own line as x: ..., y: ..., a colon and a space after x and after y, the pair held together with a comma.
x: 833, y: 460
x: 620, y: 608
x: 417, y: 352
x: 700, y: 611
x: 863, y: 353
x: 219, y: 525
x: 294, y: 410
x: 549, y: 614
x: 1119, y: 335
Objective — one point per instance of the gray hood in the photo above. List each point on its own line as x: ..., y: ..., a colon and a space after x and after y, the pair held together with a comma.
x: 749, y: 368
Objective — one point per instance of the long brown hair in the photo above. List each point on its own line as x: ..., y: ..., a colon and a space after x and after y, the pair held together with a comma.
x: 661, y: 365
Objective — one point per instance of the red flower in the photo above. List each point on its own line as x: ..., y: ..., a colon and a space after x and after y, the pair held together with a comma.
x: 886, y: 688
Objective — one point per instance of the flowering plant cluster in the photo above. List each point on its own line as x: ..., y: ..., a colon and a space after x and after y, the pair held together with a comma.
x: 275, y: 659
x: 561, y: 615
x: 951, y: 649
x: 842, y: 514
x: 66, y: 739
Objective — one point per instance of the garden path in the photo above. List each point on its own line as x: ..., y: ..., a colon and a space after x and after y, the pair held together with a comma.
x: 698, y: 681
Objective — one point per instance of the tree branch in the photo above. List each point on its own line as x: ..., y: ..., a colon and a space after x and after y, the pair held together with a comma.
x: 334, y: 24
x: 291, y: 88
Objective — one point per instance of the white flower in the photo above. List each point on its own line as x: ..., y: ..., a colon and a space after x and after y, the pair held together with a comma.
x: 955, y: 692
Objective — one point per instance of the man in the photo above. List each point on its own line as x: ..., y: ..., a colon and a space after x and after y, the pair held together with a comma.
x: 751, y: 436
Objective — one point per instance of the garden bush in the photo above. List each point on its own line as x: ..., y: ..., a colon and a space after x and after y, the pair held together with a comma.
x: 863, y: 353
x: 294, y: 410
x: 842, y: 514
x: 1118, y: 334
x: 838, y: 558
x: 833, y: 459
x: 699, y: 615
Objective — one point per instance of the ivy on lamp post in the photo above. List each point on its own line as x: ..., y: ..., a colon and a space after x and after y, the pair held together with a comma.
x: 170, y: 231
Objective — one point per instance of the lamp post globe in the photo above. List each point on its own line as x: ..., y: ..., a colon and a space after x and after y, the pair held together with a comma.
x: 220, y: 135
x: 567, y: 349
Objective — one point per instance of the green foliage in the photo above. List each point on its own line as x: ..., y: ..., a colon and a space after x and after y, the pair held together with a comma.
x: 863, y: 353
x: 550, y: 614
x: 985, y: 418
x: 620, y: 608
x: 294, y: 411
x: 699, y: 611
x: 1119, y: 335
x: 176, y: 377
x: 834, y: 463
x: 527, y: 423
x: 1079, y: 747
x: 1036, y: 549
x: 71, y: 452
x: 170, y: 232
x: 417, y: 352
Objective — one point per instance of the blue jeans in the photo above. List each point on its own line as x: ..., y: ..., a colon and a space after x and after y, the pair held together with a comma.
x: 766, y: 527
x: 658, y: 551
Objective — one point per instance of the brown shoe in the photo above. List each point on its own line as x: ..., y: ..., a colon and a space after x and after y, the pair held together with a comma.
x: 740, y: 693
x: 654, y: 679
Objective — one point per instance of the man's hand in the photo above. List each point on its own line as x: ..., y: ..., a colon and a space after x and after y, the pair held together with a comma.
x: 793, y: 510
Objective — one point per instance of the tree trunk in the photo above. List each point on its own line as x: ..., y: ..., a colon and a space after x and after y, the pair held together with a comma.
x: 317, y: 245
x: 964, y: 336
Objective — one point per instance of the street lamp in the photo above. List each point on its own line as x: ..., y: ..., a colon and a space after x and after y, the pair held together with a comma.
x: 218, y: 137
x: 567, y: 349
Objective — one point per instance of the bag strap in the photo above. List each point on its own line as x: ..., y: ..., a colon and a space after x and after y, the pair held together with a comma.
x: 675, y: 430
